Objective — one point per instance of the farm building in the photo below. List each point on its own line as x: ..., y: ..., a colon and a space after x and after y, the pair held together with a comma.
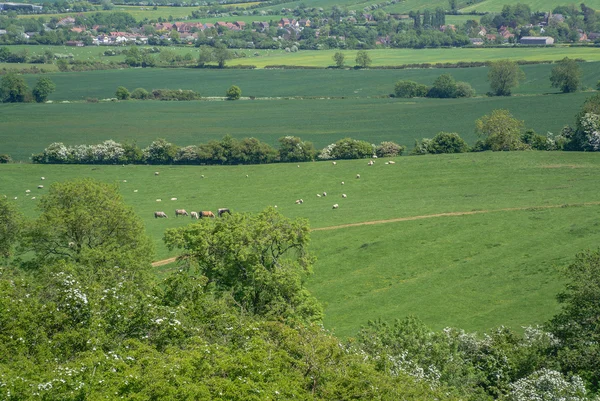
x: 20, y: 6
x: 537, y: 40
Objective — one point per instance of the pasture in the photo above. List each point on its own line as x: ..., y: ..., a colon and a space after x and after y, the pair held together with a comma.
x: 534, y: 211
x: 29, y: 128
x: 289, y: 83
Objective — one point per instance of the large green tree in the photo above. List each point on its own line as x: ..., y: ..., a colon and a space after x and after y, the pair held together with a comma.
x: 42, y: 89
x: 13, y: 88
x: 500, y: 131
x: 87, y: 222
x: 338, y: 58
x: 363, y: 60
x: 503, y: 76
x: 566, y: 75
x: 578, y: 324
x: 259, y: 260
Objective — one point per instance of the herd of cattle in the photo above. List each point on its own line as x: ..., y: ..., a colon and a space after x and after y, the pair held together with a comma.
x: 193, y: 215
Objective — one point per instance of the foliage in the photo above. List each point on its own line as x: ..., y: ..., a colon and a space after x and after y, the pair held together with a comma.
x: 294, y: 149
x: 409, y: 89
x: 443, y: 87
x: 233, y: 93
x: 13, y: 88
x: 42, y: 89
x: 577, y: 325
x: 363, y: 60
x: 4, y: 158
x: 140, y: 93
x: 389, y: 149
x: 443, y: 142
x: 586, y: 135
x: 537, y: 141
x: 205, y: 56
x: 87, y: 222
x: 160, y: 152
x: 122, y: 93
x: 338, y: 58
x: 221, y: 54
x: 504, y: 75
x: 500, y: 131
x: 566, y: 75
x: 261, y: 261
x: 349, y: 148
x: 10, y: 227
x: 549, y: 385
x: 464, y: 89
x: 175, y: 94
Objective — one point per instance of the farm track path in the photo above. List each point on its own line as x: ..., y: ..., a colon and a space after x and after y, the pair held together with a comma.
x: 426, y: 216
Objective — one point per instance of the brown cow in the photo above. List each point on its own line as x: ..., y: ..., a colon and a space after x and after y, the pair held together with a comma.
x: 206, y: 214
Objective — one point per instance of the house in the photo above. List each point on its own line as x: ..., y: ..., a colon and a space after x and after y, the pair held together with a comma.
x: 476, y: 41
x: 491, y: 37
x: 306, y: 22
x: 66, y: 21
x: 449, y: 27
x: 594, y: 35
x: 537, y: 40
x: 240, y: 24
x: 583, y: 37
x: 209, y: 25
x: 482, y: 31
x: 78, y: 29
x: 77, y: 43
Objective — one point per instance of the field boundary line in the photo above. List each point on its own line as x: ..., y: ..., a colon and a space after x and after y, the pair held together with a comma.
x: 426, y: 216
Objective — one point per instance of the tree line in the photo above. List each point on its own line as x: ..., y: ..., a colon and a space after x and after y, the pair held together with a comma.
x: 83, y: 316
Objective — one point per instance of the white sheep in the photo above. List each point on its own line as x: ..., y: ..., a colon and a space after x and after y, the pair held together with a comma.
x: 392, y: 162
x: 156, y: 173
x: 27, y: 191
x: 159, y: 200
x: 43, y: 178
x: 135, y: 190
x: 15, y: 198
x: 33, y: 197
x: 124, y: 180
x: 342, y: 182
x: 357, y: 175
x: 40, y: 186
x: 387, y: 163
x: 299, y: 201
x: 324, y: 193
x: 173, y: 199
x: 202, y: 176
x: 334, y: 163
x: 343, y: 195
x: 246, y: 175
x: 370, y: 163
x: 335, y: 206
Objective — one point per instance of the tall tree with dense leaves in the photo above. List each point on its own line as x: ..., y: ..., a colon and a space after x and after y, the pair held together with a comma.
x: 500, y: 131
x: 87, y: 222
x: 566, y: 75
x: 10, y: 227
x: 13, y: 88
x: 260, y: 260
x: 42, y: 89
x: 363, y: 60
x: 504, y: 75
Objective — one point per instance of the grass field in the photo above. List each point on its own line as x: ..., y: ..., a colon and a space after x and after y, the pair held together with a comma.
x: 289, y: 83
x: 535, y: 5
x: 29, y: 128
x: 472, y: 271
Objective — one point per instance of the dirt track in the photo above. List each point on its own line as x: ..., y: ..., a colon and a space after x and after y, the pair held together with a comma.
x: 426, y: 216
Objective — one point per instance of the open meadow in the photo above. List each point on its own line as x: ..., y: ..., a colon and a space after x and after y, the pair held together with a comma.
x: 29, y: 128
x: 290, y: 83
x: 518, y: 216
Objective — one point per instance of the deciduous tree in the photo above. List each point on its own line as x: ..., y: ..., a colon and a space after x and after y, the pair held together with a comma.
x: 233, y: 93
x: 42, y: 89
x: 338, y: 58
x: 500, y: 131
x: 504, y: 75
x: 363, y: 60
x: 566, y: 75
x: 13, y: 88
x: 10, y: 227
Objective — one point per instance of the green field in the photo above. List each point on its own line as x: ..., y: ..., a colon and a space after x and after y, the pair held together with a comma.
x: 535, y: 5
x: 472, y: 271
x: 29, y: 128
x: 289, y: 83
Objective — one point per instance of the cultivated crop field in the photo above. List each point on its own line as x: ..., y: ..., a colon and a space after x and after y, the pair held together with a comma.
x: 290, y: 83
x: 518, y: 216
x: 29, y: 128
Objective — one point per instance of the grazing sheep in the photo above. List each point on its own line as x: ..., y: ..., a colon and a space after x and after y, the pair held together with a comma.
x: 324, y: 193
x: 334, y: 163
x: 298, y: 165
x: 194, y: 215
x: 343, y: 195
x: 43, y: 178
x: 15, y: 198
x: 40, y: 186
x: 357, y: 175
x: 318, y: 195
x: 370, y: 163
x: 299, y: 201
x: 135, y: 190
x: 173, y: 199
x: 180, y: 212
x: 246, y: 175
x: 159, y: 200
x: 124, y: 180
x: 342, y: 182
x: 161, y: 215
x: 33, y: 197
x: 335, y: 206
x: 392, y: 162
x: 202, y: 176
x: 374, y: 156
x: 387, y: 163
x: 27, y: 191
x: 156, y: 173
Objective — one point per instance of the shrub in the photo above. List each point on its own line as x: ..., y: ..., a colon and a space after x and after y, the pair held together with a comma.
x: 5, y: 159
x: 537, y: 141
x: 445, y: 142
x: 233, y: 93
x: 443, y: 87
x: 464, y: 89
x: 293, y: 149
x: 389, y: 149
x: 349, y: 148
x: 160, y: 152
x: 408, y: 89
x: 179, y: 94
x: 122, y: 93
x: 140, y: 93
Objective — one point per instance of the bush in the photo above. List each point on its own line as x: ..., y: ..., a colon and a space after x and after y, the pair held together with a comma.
x: 389, y: 149
x: 179, y: 94
x: 408, y: 89
x: 5, y: 159
x: 443, y: 87
x: 140, y: 93
x: 537, y: 141
x: 443, y: 142
x: 160, y: 152
x: 463, y: 89
x: 233, y: 93
x: 293, y: 149
x: 122, y: 93
x: 349, y: 148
